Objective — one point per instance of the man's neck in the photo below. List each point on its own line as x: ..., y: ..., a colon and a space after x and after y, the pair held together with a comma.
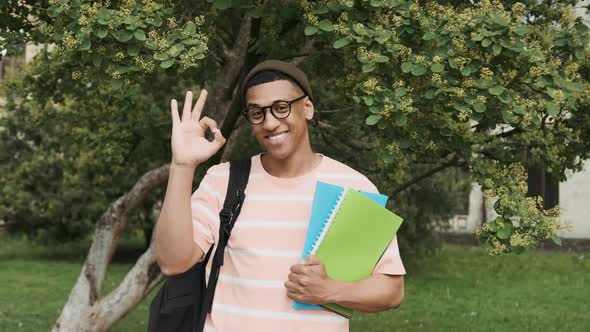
x: 300, y: 163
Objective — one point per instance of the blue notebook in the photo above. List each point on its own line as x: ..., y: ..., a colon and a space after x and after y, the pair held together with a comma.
x: 324, y: 200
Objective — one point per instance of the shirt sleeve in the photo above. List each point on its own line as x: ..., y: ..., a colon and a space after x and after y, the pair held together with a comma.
x: 391, y: 261
x: 205, y: 207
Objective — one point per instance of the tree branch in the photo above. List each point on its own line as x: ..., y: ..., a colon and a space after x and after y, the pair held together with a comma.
x: 358, y: 145
x: 303, y: 52
x: 139, y: 281
x: 226, y: 81
x: 85, y: 295
x: 453, y: 162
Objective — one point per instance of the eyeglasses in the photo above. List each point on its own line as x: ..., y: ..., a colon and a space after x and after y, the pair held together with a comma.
x: 280, y: 109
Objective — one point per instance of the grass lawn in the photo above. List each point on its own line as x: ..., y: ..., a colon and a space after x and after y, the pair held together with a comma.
x: 458, y: 289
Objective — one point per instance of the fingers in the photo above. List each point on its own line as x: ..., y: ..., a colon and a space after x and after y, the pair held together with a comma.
x: 174, y: 111
x: 207, y: 122
x: 186, y: 109
x: 298, y: 268
x: 293, y: 277
x: 219, y: 137
x: 196, y: 113
x: 291, y: 286
x: 312, y: 260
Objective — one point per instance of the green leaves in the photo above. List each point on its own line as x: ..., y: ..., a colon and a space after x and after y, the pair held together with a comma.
x: 116, y: 84
x: 176, y: 50
x: 437, y: 67
x: 311, y: 30
x: 407, y: 67
x: 342, y: 42
x: 161, y: 56
x: 521, y: 30
x: 401, y: 119
x: 123, y: 36
x: 477, y: 37
x: 190, y: 28
x: 85, y: 45
x: 167, y: 64
x: 429, y: 36
x: 552, y: 109
x: 381, y: 59
x: 484, y: 84
x: 368, y: 67
x: 221, y: 4
x: 418, y: 70
x: 102, y: 32
x: 326, y: 25
x: 372, y: 119
x: 519, y: 109
x: 479, y: 108
x: 359, y: 29
x: 140, y: 35
x: 496, y: 90
x: 467, y: 70
x: 497, y: 49
x: 504, y: 229
x: 400, y: 92
x: 132, y: 50
x: 499, y: 20
x: 54, y: 11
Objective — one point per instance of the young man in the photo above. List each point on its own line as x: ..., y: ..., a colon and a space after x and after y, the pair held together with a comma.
x: 262, y: 273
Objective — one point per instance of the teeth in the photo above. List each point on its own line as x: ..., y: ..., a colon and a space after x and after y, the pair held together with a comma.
x: 276, y: 137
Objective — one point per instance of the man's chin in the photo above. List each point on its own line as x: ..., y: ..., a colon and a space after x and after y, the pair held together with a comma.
x: 278, y: 154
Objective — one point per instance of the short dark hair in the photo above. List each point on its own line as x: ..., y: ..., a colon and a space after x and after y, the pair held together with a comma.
x: 267, y: 76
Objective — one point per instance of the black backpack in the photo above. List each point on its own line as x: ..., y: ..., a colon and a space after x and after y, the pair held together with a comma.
x: 183, y: 302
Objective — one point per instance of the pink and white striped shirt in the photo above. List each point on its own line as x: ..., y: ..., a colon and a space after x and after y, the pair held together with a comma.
x: 266, y: 241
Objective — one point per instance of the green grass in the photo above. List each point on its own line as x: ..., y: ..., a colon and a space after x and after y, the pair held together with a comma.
x: 458, y: 289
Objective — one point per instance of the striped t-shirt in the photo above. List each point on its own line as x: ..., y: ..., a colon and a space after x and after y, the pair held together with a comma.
x: 267, y: 239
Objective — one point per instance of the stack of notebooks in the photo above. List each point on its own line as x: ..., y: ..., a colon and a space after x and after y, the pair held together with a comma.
x: 348, y: 231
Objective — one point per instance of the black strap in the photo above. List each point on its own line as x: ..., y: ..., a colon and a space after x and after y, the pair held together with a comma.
x: 239, y: 172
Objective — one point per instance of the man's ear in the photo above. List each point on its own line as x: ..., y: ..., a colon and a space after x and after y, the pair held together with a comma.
x: 309, y: 109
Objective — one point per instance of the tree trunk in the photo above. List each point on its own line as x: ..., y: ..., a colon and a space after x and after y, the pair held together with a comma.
x: 86, y: 310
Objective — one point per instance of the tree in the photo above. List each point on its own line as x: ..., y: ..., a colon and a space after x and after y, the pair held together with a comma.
x: 490, y: 86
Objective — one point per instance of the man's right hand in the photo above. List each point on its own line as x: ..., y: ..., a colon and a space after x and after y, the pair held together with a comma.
x: 189, y: 145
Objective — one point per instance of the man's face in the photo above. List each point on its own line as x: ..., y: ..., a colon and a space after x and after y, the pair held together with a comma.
x: 281, y: 137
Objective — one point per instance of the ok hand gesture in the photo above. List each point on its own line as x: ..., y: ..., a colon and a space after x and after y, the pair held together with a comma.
x: 189, y: 145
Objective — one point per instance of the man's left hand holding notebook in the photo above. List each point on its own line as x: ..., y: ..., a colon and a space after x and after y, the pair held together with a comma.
x: 309, y: 282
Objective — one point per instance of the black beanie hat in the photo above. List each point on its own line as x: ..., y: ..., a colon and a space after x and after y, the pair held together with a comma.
x: 286, y: 68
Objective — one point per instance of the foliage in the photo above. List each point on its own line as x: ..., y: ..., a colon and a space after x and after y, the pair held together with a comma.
x: 497, y: 86
x: 493, y: 86
x: 64, y: 163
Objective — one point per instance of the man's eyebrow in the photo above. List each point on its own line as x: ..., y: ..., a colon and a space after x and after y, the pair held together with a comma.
x: 256, y: 105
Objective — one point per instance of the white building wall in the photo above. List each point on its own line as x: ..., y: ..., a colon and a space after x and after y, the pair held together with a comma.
x: 574, y: 201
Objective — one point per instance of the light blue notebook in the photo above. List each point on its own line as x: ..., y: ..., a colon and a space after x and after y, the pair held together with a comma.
x: 324, y: 200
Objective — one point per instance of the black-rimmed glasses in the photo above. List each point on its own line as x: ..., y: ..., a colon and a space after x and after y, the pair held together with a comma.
x: 280, y: 109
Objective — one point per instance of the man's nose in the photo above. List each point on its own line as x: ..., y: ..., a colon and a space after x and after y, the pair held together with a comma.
x: 270, y: 122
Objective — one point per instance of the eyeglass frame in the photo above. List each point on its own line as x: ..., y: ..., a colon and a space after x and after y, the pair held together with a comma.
x: 263, y: 109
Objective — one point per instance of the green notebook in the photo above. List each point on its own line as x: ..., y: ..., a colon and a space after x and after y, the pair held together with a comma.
x: 355, y: 237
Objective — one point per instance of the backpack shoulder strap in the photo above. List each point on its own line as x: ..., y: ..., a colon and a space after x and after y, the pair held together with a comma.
x: 239, y: 172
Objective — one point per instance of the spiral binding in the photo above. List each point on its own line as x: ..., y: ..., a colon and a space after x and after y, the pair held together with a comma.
x: 328, y: 223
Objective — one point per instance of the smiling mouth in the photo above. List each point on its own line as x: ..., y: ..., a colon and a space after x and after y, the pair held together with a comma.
x: 277, y: 136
